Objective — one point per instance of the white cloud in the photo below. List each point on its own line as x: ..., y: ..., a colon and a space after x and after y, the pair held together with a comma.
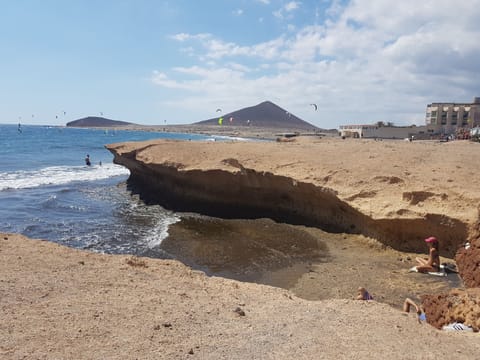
x: 184, y: 36
x: 292, y: 5
x: 372, y: 60
x: 286, y: 9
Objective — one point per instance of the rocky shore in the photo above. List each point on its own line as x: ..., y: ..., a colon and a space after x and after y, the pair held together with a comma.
x: 386, y: 196
x: 395, y: 192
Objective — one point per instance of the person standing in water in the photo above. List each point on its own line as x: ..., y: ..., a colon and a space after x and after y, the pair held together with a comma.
x: 87, y: 160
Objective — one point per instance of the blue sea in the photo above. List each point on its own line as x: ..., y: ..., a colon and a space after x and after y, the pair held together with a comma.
x: 47, y: 191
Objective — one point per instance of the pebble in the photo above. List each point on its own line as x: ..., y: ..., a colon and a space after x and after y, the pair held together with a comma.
x: 239, y: 311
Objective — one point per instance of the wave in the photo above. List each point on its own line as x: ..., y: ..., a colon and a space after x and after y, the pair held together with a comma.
x: 160, y: 232
x: 58, y: 175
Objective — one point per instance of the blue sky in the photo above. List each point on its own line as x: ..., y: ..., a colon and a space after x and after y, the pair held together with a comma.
x: 176, y: 62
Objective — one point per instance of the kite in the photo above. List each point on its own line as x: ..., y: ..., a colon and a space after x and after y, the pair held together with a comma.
x: 315, y: 106
x: 220, y: 121
x: 219, y: 110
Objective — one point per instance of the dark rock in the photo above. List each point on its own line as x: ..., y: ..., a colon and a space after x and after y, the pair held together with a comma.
x: 239, y: 311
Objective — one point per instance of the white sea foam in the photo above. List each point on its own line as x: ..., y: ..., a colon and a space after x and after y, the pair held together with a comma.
x: 226, y: 138
x: 160, y: 231
x: 57, y: 175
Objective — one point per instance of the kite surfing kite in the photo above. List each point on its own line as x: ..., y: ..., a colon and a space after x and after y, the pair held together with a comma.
x: 315, y: 106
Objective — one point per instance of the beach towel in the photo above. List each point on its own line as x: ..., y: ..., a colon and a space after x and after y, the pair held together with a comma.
x: 441, y: 272
x: 457, y: 327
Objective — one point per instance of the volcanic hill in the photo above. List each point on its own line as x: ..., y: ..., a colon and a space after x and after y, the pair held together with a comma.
x: 265, y: 114
x: 95, y: 121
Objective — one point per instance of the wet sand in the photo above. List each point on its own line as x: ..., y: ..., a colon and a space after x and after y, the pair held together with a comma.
x: 313, y: 264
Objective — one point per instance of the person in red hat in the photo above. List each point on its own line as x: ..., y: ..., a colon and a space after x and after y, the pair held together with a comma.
x: 432, y: 263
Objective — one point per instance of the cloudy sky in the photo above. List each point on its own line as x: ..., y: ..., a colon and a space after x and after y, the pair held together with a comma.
x: 177, y: 61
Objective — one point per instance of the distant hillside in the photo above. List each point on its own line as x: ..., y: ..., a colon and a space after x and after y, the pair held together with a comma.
x: 265, y: 114
x: 95, y: 121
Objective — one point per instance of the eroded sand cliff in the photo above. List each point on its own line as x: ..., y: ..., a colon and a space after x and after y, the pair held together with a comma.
x: 393, y: 191
x: 396, y: 192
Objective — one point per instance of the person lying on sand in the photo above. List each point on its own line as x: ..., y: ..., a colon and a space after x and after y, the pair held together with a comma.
x: 432, y: 263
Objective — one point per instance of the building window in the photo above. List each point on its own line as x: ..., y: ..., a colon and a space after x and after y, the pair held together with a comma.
x: 465, y: 118
x: 454, y: 118
x: 444, y: 118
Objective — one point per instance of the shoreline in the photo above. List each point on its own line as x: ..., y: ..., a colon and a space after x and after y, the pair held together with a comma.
x: 398, y: 193
x: 250, y: 132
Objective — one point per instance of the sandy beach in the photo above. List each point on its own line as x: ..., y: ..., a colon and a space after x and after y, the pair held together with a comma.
x: 56, y: 306
x: 393, y: 194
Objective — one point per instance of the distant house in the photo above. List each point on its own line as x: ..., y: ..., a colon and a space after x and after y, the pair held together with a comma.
x: 381, y: 130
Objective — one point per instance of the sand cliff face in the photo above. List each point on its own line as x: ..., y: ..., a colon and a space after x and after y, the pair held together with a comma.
x: 309, y: 183
x: 396, y: 192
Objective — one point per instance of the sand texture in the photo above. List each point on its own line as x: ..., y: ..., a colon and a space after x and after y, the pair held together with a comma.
x: 62, y: 303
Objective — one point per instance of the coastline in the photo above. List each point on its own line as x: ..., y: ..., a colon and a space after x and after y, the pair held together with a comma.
x: 59, y: 302
x: 247, y: 132
x: 395, y: 192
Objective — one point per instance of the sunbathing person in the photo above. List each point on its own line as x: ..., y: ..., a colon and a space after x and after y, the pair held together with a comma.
x: 432, y: 263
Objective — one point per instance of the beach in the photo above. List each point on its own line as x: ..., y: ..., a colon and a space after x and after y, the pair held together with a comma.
x: 392, y: 194
x: 56, y: 306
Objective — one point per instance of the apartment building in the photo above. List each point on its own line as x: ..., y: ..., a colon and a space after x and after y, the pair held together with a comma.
x: 447, y: 118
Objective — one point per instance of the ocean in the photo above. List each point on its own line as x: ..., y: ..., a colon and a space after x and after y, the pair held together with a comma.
x: 47, y: 191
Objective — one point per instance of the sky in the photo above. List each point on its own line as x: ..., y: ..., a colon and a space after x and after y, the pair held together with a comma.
x: 157, y: 62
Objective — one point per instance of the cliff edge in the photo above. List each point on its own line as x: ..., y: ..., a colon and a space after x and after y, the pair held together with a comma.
x: 394, y: 191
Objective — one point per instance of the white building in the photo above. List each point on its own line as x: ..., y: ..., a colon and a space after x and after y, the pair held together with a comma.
x: 441, y: 119
x: 383, y: 131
